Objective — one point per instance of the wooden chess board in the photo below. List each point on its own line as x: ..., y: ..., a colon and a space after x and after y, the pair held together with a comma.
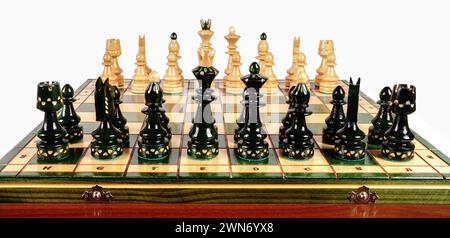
x: 224, y: 179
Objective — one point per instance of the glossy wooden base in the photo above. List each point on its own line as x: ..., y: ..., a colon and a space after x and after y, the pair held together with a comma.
x: 85, y: 210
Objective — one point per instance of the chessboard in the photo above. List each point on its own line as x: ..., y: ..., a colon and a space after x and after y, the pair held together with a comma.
x: 225, y: 178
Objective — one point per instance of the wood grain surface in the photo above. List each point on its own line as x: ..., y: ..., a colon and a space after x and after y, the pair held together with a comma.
x: 84, y: 210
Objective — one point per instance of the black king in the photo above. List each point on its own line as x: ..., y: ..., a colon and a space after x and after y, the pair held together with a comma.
x: 203, y: 143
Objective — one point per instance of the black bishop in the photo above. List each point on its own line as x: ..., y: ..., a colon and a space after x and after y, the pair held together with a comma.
x: 153, y: 139
x: 298, y: 143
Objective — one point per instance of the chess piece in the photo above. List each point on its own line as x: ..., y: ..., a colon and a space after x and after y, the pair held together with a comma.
x: 203, y: 143
x: 271, y: 85
x: 349, y: 144
x: 153, y: 77
x: 174, y: 47
x: 172, y: 80
x: 52, y: 144
x: 153, y: 139
x: 205, y: 52
x: 397, y: 144
x: 240, y: 121
x: 263, y: 49
x: 252, y: 145
x: 336, y: 119
x: 298, y: 143
x: 114, y: 49
x: 300, y: 75
x: 142, y: 50
x: 293, y: 69
x: 329, y: 80
x: 69, y: 118
x: 140, y: 77
x: 287, y: 120
x: 106, y: 143
x: 107, y: 68
x: 119, y: 121
x: 232, y: 39
x: 233, y: 83
x: 382, y: 121
x: 325, y: 48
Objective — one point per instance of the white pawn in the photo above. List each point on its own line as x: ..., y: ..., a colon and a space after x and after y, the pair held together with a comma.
x: 153, y: 77
x: 140, y: 77
x: 233, y: 84
x: 271, y: 84
x: 300, y: 74
x: 330, y: 79
x: 107, y: 68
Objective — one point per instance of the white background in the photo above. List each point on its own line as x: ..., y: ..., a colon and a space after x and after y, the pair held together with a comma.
x: 383, y: 42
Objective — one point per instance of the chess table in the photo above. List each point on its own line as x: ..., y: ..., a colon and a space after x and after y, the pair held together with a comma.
x: 225, y: 179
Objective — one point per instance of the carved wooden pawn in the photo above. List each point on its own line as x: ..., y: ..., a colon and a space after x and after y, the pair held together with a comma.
x: 382, y: 121
x: 69, y: 118
x: 336, y: 120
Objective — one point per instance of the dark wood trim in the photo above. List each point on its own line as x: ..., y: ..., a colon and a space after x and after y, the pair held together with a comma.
x: 121, y: 210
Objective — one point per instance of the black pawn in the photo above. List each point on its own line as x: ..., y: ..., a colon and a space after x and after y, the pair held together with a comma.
x: 252, y: 145
x: 349, y: 143
x: 106, y: 143
x: 336, y: 119
x: 52, y: 145
x: 397, y: 144
x: 286, y: 122
x: 298, y: 143
x: 118, y: 120
x: 383, y: 120
x: 68, y: 117
x: 153, y: 138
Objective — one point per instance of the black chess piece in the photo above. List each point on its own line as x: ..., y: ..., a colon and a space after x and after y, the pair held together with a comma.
x: 240, y: 121
x: 397, y: 144
x: 336, y: 119
x: 69, y: 118
x: 382, y: 121
x: 153, y: 138
x: 52, y: 145
x: 349, y: 143
x: 251, y: 145
x: 106, y: 143
x: 164, y: 118
x: 298, y: 143
x: 203, y: 143
x: 119, y: 121
x: 287, y: 120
